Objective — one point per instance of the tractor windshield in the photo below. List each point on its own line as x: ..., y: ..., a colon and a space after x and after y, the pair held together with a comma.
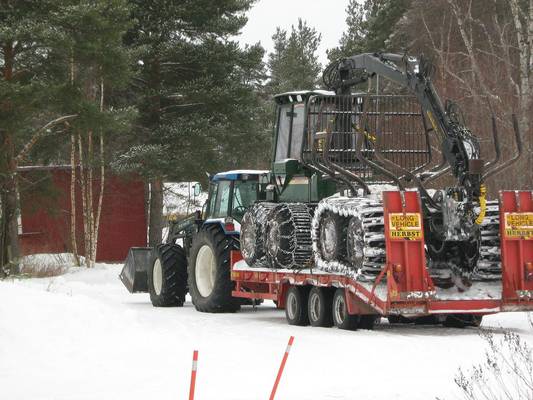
x: 244, y: 195
x: 232, y: 198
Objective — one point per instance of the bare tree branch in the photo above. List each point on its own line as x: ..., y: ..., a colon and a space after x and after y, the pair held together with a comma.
x: 37, y: 135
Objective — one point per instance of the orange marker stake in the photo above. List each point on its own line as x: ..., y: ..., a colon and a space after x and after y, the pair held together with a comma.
x: 281, y: 367
x: 193, y: 374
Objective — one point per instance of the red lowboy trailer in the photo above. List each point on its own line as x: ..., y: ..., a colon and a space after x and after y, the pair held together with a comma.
x: 403, y: 290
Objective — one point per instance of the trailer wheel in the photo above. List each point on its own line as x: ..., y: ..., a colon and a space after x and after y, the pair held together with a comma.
x: 368, y: 322
x: 399, y: 319
x: 341, y: 318
x: 319, y: 307
x: 462, y: 320
x: 210, y: 283
x: 296, y: 306
x: 167, y: 276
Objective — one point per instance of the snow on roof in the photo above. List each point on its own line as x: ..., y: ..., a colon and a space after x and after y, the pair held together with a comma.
x: 305, y: 92
x: 233, y: 174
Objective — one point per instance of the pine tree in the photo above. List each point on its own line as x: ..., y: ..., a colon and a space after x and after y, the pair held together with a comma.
x: 56, y: 59
x: 294, y: 62
x: 195, y: 90
x: 25, y: 90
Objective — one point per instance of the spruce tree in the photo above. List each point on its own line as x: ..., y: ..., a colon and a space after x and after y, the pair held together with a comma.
x: 370, y: 27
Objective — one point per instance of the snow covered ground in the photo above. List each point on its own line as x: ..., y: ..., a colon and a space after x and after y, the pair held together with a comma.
x: 83, y: 336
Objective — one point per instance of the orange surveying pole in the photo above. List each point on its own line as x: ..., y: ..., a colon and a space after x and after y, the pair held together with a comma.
x: 281, y: 367
x: 193, y: 374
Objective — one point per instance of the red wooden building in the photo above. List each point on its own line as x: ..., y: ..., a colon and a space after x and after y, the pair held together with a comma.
x: 46, y: 212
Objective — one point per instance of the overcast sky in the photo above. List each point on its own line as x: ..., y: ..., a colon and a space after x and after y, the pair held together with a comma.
x: 327, y: 17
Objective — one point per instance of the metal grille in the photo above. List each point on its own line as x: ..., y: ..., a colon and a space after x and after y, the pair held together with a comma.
x: 381, y: 126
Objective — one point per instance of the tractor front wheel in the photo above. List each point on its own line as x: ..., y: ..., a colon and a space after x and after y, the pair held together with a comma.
x: 167, y: 276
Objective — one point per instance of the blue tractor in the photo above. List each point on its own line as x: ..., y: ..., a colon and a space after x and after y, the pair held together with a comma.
x: 195, y: 257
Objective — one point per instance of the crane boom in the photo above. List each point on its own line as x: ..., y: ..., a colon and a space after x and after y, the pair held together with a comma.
x: 458, y: 145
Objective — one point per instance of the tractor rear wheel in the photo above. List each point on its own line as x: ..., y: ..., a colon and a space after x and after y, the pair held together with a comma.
x: 210, y: 282
x: 167, y: 276
x: 341, y: 318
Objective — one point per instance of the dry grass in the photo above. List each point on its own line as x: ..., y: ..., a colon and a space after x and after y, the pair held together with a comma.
x: 45, y: 265
x: 506, y: 373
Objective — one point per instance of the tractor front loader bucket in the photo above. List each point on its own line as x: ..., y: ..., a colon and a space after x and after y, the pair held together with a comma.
x: 134, y: 274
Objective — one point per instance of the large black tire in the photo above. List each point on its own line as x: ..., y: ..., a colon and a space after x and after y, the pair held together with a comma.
x: 368, y: 321
x: 296, y: 306
x: 462, y: 320
x: 319, y: 307
x: 288, y: 236
x: 167, y: 276
x: 253, y: 233
x: 332, y: 237
x: 341, y: 318
x: 210, y: 284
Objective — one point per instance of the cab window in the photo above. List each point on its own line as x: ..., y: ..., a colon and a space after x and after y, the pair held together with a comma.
x: 297, y: 131
x: 244, y: 195
x: 222, y: 200
x: 290, y: 131
x: 212, y: 198
x: 284, y: 130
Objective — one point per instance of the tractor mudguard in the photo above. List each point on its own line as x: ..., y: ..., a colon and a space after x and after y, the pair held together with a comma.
x: 134, y: 273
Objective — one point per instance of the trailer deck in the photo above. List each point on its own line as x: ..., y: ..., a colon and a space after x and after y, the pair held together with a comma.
x: 404, y: 287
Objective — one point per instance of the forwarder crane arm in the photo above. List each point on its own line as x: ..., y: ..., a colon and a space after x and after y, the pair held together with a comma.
x: 459, y: 146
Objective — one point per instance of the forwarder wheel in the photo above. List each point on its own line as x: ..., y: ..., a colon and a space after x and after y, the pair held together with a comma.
x: 167, y: 276
x: 252, y: 235
x: 296, y: 306
x: 210, y: 284
x: 319, y: 306
x: 341, y: 318
x: 332, y: 234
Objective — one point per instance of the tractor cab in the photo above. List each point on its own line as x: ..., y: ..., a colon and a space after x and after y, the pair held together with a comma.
x: 293, y: 180
x: 290, y: 126
x: 326, y: 143
x: 231, y: 194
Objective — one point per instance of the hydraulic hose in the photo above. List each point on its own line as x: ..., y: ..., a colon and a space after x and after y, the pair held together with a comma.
x: 482, y: 204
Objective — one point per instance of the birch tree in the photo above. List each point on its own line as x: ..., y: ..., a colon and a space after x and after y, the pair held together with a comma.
x: 92, y: 54
x: 483, y: 54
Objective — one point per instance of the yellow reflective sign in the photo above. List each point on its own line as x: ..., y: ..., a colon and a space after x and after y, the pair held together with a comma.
x: 519, y: 225
x: 405, y: 226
